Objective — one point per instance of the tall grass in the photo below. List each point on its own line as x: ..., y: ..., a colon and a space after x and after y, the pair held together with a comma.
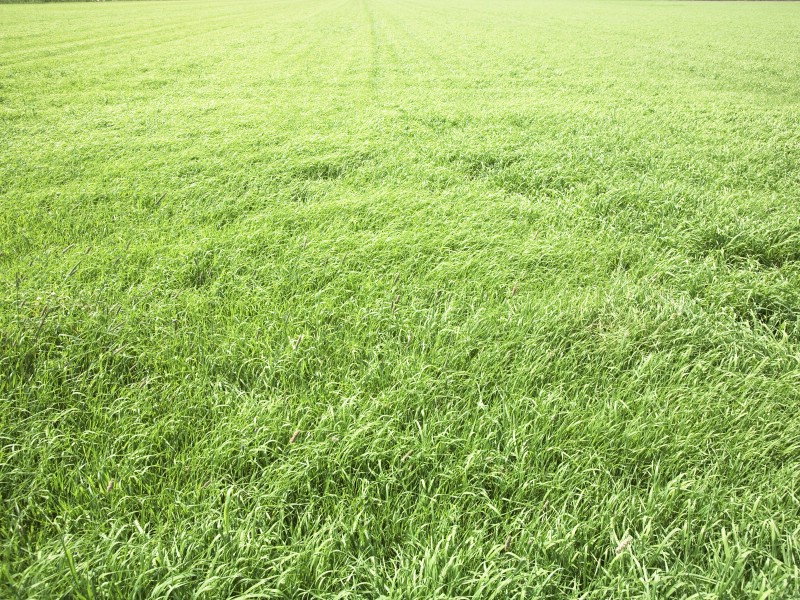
x: 399, y: 299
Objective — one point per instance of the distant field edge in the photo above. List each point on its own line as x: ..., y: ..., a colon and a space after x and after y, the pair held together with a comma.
x: 94, y: 1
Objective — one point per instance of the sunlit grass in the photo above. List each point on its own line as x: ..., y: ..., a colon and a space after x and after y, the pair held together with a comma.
x: 399, y: 299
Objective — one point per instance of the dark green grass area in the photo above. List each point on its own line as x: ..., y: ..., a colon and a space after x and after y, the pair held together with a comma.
x: 399, y: 299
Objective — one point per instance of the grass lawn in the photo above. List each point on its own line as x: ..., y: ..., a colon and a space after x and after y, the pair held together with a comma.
x: 400, y: 299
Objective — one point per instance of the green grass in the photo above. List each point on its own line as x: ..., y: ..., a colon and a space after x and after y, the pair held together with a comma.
x: 400, y: 299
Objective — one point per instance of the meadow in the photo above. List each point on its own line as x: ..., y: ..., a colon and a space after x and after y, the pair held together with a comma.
x: 400, y: 299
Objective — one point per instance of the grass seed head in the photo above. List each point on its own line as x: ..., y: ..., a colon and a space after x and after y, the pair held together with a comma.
x: 623, y: 545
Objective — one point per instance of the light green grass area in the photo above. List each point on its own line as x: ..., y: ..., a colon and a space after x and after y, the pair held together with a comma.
x: 400, y: 299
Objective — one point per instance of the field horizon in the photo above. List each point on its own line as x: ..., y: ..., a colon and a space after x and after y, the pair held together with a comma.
x: 413, y: 299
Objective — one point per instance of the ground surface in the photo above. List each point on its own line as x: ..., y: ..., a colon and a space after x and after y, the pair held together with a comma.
x: 400, y: 299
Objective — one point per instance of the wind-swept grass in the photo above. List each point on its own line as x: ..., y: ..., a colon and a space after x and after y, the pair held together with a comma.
x: 399, y: 299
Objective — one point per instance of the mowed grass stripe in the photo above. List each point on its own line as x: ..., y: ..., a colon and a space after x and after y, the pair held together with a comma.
x: 110, y: 23
x: 148, y: 38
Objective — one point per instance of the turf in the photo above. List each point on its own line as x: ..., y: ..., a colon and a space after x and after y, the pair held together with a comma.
x: 400, y: 299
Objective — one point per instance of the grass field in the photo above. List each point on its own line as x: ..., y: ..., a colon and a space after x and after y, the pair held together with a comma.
x: 400, y: 299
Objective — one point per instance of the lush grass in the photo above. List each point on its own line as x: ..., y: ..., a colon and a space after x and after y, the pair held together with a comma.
x: 408, y: 299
